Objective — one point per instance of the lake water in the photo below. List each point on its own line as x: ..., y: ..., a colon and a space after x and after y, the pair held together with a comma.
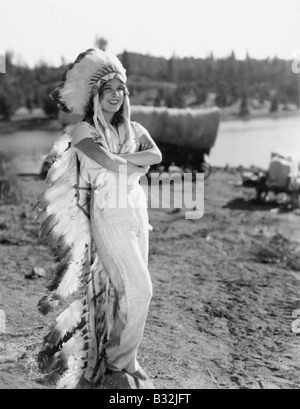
x: 28, y: 148
x: 251, y: 142
x: 238, y: 143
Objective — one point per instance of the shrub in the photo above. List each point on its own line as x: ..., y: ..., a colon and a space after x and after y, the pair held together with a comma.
x: 6, y: 106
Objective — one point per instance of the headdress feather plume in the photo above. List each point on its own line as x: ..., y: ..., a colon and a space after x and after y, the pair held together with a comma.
x: 75, y: 90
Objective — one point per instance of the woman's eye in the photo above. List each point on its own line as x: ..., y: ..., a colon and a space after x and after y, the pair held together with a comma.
x: 109, y: 89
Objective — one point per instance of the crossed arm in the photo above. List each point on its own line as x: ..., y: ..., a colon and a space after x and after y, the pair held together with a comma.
x: 137, y: 162
x: 148, y: 155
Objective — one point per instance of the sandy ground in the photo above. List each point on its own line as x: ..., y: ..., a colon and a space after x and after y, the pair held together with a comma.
x: 225, y: 288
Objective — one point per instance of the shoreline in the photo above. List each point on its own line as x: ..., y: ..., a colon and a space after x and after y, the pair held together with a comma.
x: 226, y: 117
x: 30, y: 124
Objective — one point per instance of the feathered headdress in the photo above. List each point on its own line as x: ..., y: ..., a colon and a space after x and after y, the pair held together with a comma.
x: 81, y: 83
x: 90, y: 69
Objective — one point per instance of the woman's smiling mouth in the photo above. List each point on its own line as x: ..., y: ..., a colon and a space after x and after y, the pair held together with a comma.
x: 113, y: 101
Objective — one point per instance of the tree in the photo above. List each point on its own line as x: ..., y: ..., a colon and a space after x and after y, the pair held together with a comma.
x: 101, y: 43
x: 6, y: 105
x: 174, y: 99
x: 222, y: 94
x: 274, y: 102
x: 49, y: 107
x: 244, y: 108
x: 125, y: 62
x: 173, y: 69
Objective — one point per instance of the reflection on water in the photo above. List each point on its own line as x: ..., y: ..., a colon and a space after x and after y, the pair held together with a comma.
x: 251, y: 142
x: 238, y: 143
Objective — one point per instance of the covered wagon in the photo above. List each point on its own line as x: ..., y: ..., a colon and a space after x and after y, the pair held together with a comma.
x: 184, y: 136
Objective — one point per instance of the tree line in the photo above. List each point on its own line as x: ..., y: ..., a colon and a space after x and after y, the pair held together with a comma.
x: 174, y: 82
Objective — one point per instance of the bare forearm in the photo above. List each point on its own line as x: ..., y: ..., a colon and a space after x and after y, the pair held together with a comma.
x: 114, y: 163
x: 108, y: 160
x: 145, y: 158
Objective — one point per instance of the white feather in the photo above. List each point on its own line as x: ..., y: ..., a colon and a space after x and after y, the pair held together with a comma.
x: 73, y: 352
x: 66, y: 322
x: 71, y: 281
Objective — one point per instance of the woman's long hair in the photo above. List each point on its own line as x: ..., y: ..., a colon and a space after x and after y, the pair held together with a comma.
x: 95, y: 117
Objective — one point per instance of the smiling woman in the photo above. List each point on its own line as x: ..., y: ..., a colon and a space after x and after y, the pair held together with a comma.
x: 112, y: 96
x: 103, y: 239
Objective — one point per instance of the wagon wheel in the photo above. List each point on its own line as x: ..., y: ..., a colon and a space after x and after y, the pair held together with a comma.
x: 295, y: 199
x: 205, y: 167
x: 207, y: 171
x: 261, y: 189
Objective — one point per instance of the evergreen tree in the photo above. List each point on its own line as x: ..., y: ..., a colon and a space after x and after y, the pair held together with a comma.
x: 101, y: 43
x: 244, y: 107
x: 125, y: 62
x: 173, y: 69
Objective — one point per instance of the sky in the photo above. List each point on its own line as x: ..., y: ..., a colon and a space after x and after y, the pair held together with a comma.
x: 49, y: 30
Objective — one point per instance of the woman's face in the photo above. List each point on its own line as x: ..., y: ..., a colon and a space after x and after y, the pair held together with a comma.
x: 112, y: 96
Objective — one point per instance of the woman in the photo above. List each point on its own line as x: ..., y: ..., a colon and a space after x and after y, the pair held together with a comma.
x: 113, y: 154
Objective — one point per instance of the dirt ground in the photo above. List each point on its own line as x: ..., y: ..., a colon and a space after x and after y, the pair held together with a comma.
x: 225, y: 288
